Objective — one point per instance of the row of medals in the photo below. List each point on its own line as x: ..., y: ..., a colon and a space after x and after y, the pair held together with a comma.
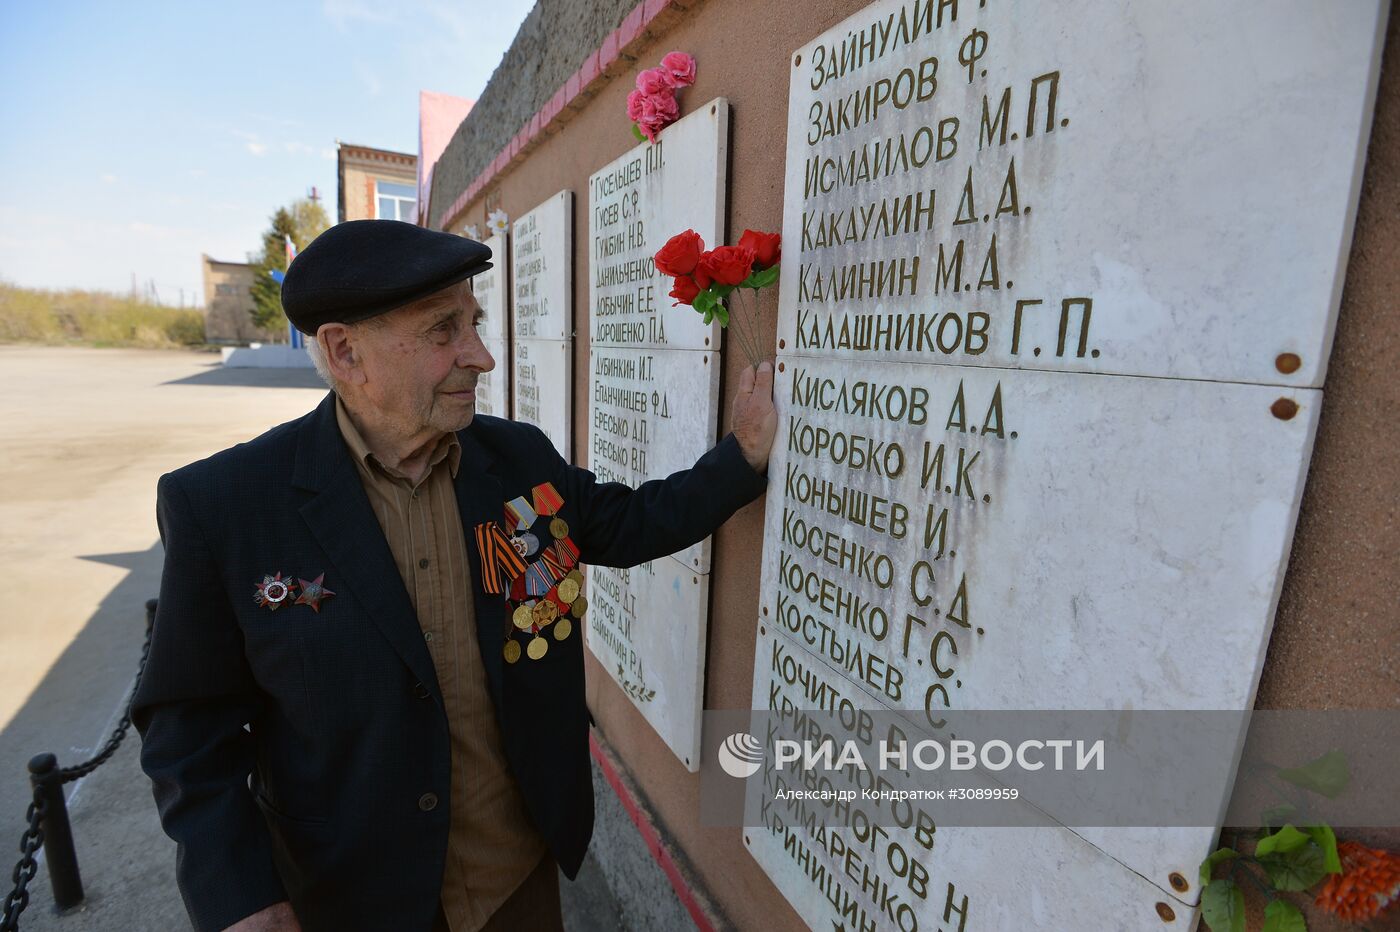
x: 546, y: 613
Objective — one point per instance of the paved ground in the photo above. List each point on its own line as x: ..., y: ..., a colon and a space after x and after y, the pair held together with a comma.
x: 87, y: 432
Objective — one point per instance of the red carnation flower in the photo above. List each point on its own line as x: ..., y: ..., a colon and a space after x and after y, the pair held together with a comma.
x: 684, y: 289
x: 767, y: 247
x: 681, y: 254
x: 728, y: 265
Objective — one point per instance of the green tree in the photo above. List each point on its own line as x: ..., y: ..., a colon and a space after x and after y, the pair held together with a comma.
x: 303, y: 220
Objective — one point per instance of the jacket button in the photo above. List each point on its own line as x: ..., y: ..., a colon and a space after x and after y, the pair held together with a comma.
x: 427, y: 802
x: 421, y: 691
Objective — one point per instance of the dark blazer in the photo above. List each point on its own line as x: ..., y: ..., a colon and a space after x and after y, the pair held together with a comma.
x: 336, y: 793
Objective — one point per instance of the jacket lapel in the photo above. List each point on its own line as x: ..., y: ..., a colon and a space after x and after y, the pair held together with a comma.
x: 342, y: 520
x: 480, y: 498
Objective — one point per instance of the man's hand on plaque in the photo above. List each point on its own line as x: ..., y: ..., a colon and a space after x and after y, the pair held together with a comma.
x: 755, y: 420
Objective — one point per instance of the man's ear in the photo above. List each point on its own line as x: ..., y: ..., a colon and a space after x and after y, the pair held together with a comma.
x: 342, y: 354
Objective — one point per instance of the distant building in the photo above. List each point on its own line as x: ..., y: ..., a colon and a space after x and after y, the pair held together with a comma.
x: 376, y: 184
x: 228, y: 303
x: 439, y: 115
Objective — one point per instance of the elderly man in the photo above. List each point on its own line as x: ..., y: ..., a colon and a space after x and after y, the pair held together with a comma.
x: 364, y: 704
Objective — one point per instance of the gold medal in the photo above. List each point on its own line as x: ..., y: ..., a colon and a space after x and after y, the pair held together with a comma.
x: 579, y: 606
x: 559, y: 528
x: 538, y: 646
x: 523, y: 617
x: 512, y: 650
x: 568, y: 589
x: 545, y: 612
x: 563, y: 629
x: 576, y: 576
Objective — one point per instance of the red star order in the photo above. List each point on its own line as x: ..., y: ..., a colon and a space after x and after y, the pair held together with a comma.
x: 313, y: 592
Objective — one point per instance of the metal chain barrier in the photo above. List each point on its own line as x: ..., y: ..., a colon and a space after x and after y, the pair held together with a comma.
x: 29, y: 844
x: 48, y: 815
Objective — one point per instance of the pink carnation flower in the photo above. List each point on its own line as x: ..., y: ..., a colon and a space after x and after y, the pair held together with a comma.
x: 679, y: 69
x: 654, y: 81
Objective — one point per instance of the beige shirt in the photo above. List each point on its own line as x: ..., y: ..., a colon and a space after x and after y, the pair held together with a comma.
x: 492, y: 845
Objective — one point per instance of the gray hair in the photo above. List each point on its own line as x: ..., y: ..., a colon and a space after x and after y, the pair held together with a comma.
x: 318, y: 360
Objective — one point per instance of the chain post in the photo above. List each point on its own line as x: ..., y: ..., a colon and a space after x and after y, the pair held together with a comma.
x: 58, y: 832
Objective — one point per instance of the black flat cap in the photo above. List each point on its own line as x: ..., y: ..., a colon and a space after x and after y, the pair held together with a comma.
x: 362, y: 268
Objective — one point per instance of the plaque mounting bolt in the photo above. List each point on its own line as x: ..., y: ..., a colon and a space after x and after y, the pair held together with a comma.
x: 1166, y: 913
x: 1287, y: 363
x: 1284, y: 409
x: 1178, y: 882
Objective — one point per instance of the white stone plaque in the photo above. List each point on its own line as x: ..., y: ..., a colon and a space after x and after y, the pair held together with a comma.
x: 1057, y: 295
x: 634, y: 206
x: 542, y: 318
x: 543, y: 371
x: 646, y: 626
x: 976, y: 879
x: 652, y: 413
x: 493, y: 388
x: 541, y: 261
x: 653, y: 404
x: 1120, y: 186
x: 491, y: 288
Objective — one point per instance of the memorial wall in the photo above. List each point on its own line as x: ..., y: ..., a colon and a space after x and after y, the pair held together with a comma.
x: 1058, y: 299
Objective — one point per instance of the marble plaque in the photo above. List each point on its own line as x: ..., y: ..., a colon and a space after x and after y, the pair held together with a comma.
x: 653, y: 402
x: 646, y: 626
x: 634, y: 206
x: 542, y: 318
x: 541, y: 261
x: 493, y: 388
x: 1119, y: 186
x: 976, y: 879
x: 1056, y: 301
x: 491, y: 288
x: 652, y: 413
x: 543, y: 372
x: 956, y: 537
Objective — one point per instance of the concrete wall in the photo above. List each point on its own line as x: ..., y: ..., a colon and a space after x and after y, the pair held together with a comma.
x: 1336, y: 640
x: 553, y: 41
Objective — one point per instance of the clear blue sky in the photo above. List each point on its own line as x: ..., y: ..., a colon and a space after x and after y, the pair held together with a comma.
x: 135, y: 136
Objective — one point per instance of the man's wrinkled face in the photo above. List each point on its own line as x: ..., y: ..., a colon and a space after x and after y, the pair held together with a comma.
x: 422, y: 361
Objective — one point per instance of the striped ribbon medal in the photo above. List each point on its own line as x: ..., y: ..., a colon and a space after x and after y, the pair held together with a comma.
x: 500, y: 564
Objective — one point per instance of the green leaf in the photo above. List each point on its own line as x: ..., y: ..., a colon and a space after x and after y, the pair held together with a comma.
x: 1222, y: 905
x: 1296, y: 870
x: 762, y: 279
x: 721, y: 291
x: 637, y: 131
x: 1283, y: 916
x: 704, y: 303
x: 1220, y: 854
x: 1277, y: 815
x: 722, y: 313
x: 1326, y: 840
x: 1327, y: 775
x: 1284, y: 840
